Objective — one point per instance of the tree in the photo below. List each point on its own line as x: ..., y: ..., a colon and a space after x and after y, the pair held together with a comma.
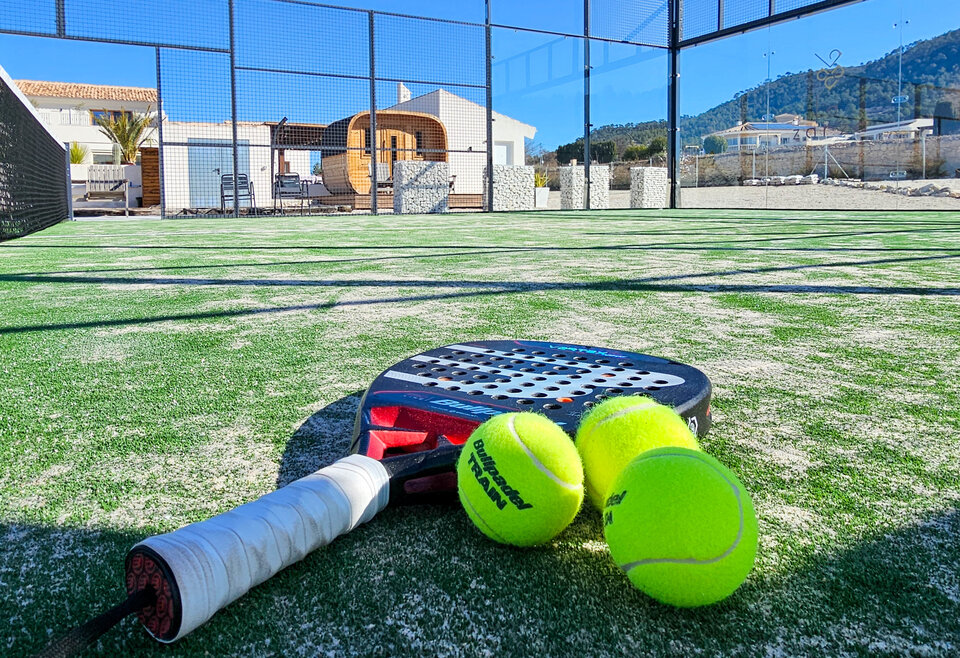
x: 535, y: 152
x: 317, y: 170
x: 568, y: 152
x: 713, y: 144
x: 657, y: 146
x: 635, y: 153
x: 603, y: 152
x: 128, y: 130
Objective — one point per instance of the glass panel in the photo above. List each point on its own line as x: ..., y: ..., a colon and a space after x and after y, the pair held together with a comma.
x: 861, y: 97
x: 628, y: 109
x: 538, y: 85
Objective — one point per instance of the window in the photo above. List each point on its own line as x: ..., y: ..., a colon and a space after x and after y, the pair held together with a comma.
x: 418, y: 138
x: 110, y: 115
x: 503, y: 153
x: 103, y: 158
x: 365, y: 139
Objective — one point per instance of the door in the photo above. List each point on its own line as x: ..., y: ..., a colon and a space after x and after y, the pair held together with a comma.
x: 207, y: 160
x: 503, y: 153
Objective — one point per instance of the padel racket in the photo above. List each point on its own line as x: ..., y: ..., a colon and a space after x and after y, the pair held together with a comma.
x: 410, y: 427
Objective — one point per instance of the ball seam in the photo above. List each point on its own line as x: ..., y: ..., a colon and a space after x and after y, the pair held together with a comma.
x: 649, y: 404
x: 476, y: 515
x: 536, y: 462
x: 629, y: 566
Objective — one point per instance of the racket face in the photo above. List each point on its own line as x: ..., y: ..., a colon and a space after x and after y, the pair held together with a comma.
x: 417, y: 414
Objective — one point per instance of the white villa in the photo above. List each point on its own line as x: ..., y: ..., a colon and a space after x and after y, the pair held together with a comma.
x: 195, y: 154
x: 784, y: 130
x: 907, y: 129
x: 69, y: 109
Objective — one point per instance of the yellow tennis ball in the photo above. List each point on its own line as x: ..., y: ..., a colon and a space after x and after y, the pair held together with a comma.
x: 619, y: 429
x: 520, y: 479
x: 682, y: 527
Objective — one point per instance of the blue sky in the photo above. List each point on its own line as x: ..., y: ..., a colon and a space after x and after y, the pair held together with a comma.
x: 537, y: 77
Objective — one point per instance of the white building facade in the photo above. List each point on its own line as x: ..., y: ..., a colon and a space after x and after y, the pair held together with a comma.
x: 69, y: 110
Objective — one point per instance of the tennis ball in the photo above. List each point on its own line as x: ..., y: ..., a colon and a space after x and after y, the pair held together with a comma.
x: 520, y: 479
x: 681, y: 526
x: 619, y: 429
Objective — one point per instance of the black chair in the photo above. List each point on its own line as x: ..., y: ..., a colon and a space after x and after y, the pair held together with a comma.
x: 287, y: 186
x: 243, y: 189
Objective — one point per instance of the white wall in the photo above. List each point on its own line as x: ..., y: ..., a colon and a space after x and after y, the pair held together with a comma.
x: 176, y: 168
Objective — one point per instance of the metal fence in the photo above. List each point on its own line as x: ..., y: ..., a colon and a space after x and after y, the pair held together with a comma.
x: 264, y: 105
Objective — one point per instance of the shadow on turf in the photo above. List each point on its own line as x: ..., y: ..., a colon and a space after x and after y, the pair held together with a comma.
x: 665, y: 283
x: 486, y: 251
x: 320, y: 440
x: 898, y: 584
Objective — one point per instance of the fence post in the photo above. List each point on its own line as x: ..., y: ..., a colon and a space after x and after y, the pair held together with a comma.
x: 586, y: 103
x: 66, y: 147
x: 374, y: 155
x: 489, y: 72
x: 673, y: 107
x: 233, y: 108
x: 163, y: 193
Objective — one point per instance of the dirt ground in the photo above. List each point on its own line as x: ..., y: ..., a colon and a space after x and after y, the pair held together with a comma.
x: 797, y: 197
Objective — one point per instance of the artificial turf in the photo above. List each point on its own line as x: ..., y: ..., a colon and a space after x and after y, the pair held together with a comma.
x: 154, y: 373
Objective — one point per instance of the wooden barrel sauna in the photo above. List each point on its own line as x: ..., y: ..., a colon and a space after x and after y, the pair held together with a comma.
x: 400, y: 136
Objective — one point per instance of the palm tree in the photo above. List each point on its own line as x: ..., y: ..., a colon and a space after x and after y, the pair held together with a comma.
x: 128, y: 130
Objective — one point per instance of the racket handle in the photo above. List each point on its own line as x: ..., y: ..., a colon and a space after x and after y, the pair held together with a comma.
x: 214, y: 562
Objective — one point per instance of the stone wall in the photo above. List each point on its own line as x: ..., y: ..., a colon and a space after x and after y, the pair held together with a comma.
x: 648, y: 187
x: 420, y: 187
x: 512, y: 188
x: 865, y: 160
x: 572, y: 187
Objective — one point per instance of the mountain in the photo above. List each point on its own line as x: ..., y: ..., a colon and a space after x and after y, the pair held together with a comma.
x: 862, y: 96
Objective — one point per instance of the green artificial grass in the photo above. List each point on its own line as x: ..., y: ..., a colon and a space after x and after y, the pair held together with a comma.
x: 154, y: 373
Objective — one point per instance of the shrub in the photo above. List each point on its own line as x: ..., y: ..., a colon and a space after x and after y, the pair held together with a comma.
x: 635, y: 153
x: 714, y: 144
x: 78, y: 153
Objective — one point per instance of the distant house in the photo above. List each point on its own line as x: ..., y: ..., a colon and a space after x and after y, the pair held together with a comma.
x: 909, y: 129
x: 69, y: 110
x: 466, y: 125
x: 784, y: 130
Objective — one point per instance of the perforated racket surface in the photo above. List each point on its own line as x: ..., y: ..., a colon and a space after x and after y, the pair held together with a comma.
x: 417, y: 414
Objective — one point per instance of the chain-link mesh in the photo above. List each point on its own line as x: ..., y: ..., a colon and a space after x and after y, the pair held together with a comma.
x: 30, y: 16
x: 643, y: 22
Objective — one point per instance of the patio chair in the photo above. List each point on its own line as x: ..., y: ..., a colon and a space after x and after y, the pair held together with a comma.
x: 287, y: 186
x: 384, y: 180
x: 236, y: 193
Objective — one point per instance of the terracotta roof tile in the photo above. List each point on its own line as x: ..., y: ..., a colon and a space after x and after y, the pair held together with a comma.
x: 89, y: 92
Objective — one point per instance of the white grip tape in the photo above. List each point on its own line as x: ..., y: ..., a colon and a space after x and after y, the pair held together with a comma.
x: 215, y: 562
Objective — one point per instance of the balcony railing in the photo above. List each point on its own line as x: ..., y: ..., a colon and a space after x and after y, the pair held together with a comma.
x: 66, y: 117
